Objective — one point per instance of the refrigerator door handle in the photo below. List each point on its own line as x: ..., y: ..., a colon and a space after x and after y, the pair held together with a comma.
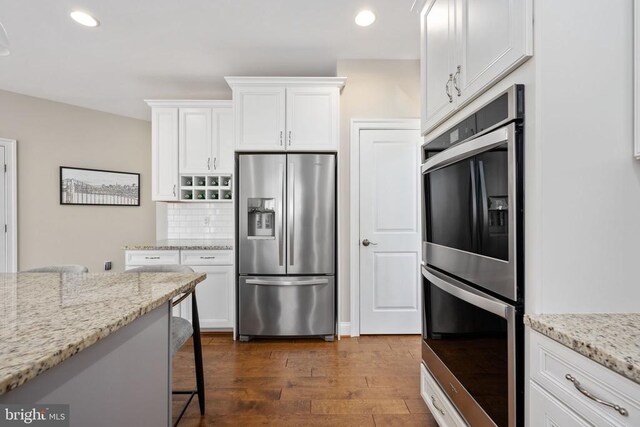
x: 484, y: 202
x: 292, y: 212
x: 280, y: 236
x: 311, y: 282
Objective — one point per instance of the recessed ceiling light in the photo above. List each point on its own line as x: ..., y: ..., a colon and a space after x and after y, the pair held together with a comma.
x: 365, y: 18
x: 83, y: 18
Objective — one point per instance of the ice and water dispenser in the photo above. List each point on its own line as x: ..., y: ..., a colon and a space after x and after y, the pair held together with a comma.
x: 261, y: 218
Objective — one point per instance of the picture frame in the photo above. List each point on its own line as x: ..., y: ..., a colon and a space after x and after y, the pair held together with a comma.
x: 97, y: 187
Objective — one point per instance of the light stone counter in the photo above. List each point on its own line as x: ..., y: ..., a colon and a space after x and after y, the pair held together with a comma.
x: 47, y: 318
x: 613, y: 340
x: 184, y: 244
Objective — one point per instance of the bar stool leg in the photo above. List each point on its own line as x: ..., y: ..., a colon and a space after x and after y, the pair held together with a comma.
x: 197, y: 352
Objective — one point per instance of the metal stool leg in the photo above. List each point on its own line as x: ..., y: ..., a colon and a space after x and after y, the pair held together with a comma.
x: 197, y: 352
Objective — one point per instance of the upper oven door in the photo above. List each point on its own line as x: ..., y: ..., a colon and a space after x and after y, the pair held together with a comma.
x: 470, y: 211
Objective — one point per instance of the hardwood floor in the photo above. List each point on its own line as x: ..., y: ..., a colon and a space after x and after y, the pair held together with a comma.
x: 365, y: 381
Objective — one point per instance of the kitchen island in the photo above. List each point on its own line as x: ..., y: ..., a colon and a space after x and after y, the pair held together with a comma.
x: 98, y: 342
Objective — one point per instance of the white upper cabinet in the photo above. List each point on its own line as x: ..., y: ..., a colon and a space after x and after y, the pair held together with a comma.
x: 223, y: 126
x: 189, y: 137
x: 286, y: 113
x: 467, y: 46
x: 493, y: 38
x: 196, y: 140
x: 437, y: 59
x: 260, y: 117
x: 164, y: 153
x: 312, y: 122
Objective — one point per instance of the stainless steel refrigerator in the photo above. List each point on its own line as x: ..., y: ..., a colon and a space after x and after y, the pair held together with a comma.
x: 286, y: 245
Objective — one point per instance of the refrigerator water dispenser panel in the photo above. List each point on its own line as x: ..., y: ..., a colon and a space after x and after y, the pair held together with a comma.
x: 261, y: 218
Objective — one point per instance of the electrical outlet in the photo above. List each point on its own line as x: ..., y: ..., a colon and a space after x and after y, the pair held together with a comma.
x: 107, y: 265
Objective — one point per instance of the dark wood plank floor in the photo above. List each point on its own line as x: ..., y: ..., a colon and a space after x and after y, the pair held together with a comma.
x: 365, y: 381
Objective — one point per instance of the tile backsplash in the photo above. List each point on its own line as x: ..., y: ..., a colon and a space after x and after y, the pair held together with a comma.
x: 200, y: 221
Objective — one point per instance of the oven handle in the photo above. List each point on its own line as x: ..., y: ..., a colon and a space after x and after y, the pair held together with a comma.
x: 467, y: 293
x: 467, y: 149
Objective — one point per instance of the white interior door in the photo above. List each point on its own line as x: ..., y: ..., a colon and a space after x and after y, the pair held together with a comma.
x: 3, y: 214
x: 389, y: 218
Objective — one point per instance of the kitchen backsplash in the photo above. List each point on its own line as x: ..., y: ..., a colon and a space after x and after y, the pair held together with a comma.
x: 200, y: 221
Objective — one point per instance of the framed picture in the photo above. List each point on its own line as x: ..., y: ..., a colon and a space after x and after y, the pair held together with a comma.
x: 98, y: 187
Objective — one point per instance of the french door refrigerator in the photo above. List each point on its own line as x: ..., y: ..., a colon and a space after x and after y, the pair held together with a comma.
x: 286, y: 245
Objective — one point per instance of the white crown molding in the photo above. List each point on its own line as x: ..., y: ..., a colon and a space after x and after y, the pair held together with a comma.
x: 238, y: 81
x: 185, y: 103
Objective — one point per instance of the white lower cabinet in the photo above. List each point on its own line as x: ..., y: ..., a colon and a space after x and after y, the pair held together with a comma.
x: 215, y: 295
x: 568, y: 389
x: 548, y: 411
x: 441, y: 409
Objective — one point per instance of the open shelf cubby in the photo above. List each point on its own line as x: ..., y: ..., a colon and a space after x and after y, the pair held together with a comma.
x: 206, y: 188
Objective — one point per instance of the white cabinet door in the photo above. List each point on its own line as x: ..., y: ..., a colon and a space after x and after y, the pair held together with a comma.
x: 437, y: 62
x: 223, y: 123
x: 312, y: 119
x: 164, y: 154
x: 259, y: 118
x: 546, y: 411
x: 492, y: 39
x: 196, y: 140
x: 215, y: 297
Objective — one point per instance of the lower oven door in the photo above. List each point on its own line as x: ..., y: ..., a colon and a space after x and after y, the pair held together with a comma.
x: 469, y: 346
x: 286, y: 305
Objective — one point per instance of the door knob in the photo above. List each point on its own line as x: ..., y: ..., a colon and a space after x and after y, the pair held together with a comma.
x: 366, y: 242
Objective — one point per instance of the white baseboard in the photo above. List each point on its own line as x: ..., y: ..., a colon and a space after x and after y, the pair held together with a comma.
x: 344, y: 329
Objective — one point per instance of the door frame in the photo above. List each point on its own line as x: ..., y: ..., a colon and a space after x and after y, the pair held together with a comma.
x: 358, y: 125
x: 11, y: 191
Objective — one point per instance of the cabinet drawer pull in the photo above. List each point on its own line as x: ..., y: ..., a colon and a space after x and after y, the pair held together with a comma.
x: 622, y: 411
x: 435, y: 405
x: 446, y: 88
x: 207, y: 257
x: 152, y: 257
x: 455, y: 80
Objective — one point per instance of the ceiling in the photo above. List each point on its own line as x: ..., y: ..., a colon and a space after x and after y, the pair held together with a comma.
x: 145, y: 49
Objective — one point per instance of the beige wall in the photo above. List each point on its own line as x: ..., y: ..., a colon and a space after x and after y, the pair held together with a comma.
x: 51, y: 135
x: 374, y: 89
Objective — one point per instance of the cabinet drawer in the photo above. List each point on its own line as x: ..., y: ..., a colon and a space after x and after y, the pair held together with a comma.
x: 561, y: 371
x: 443, y: 411
x: 206, y: 257
x: 139, y: 258
x: 546, y: 411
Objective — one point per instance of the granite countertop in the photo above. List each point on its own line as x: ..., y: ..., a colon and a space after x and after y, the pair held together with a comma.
x: 49, y: 317
x: 611, y: 339
x: 184, y: 244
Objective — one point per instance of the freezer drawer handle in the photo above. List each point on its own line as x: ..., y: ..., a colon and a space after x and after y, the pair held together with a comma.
x: 311, y: 282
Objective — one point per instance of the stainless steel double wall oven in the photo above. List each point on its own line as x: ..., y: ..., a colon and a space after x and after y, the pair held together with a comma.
x: 473, y: 262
